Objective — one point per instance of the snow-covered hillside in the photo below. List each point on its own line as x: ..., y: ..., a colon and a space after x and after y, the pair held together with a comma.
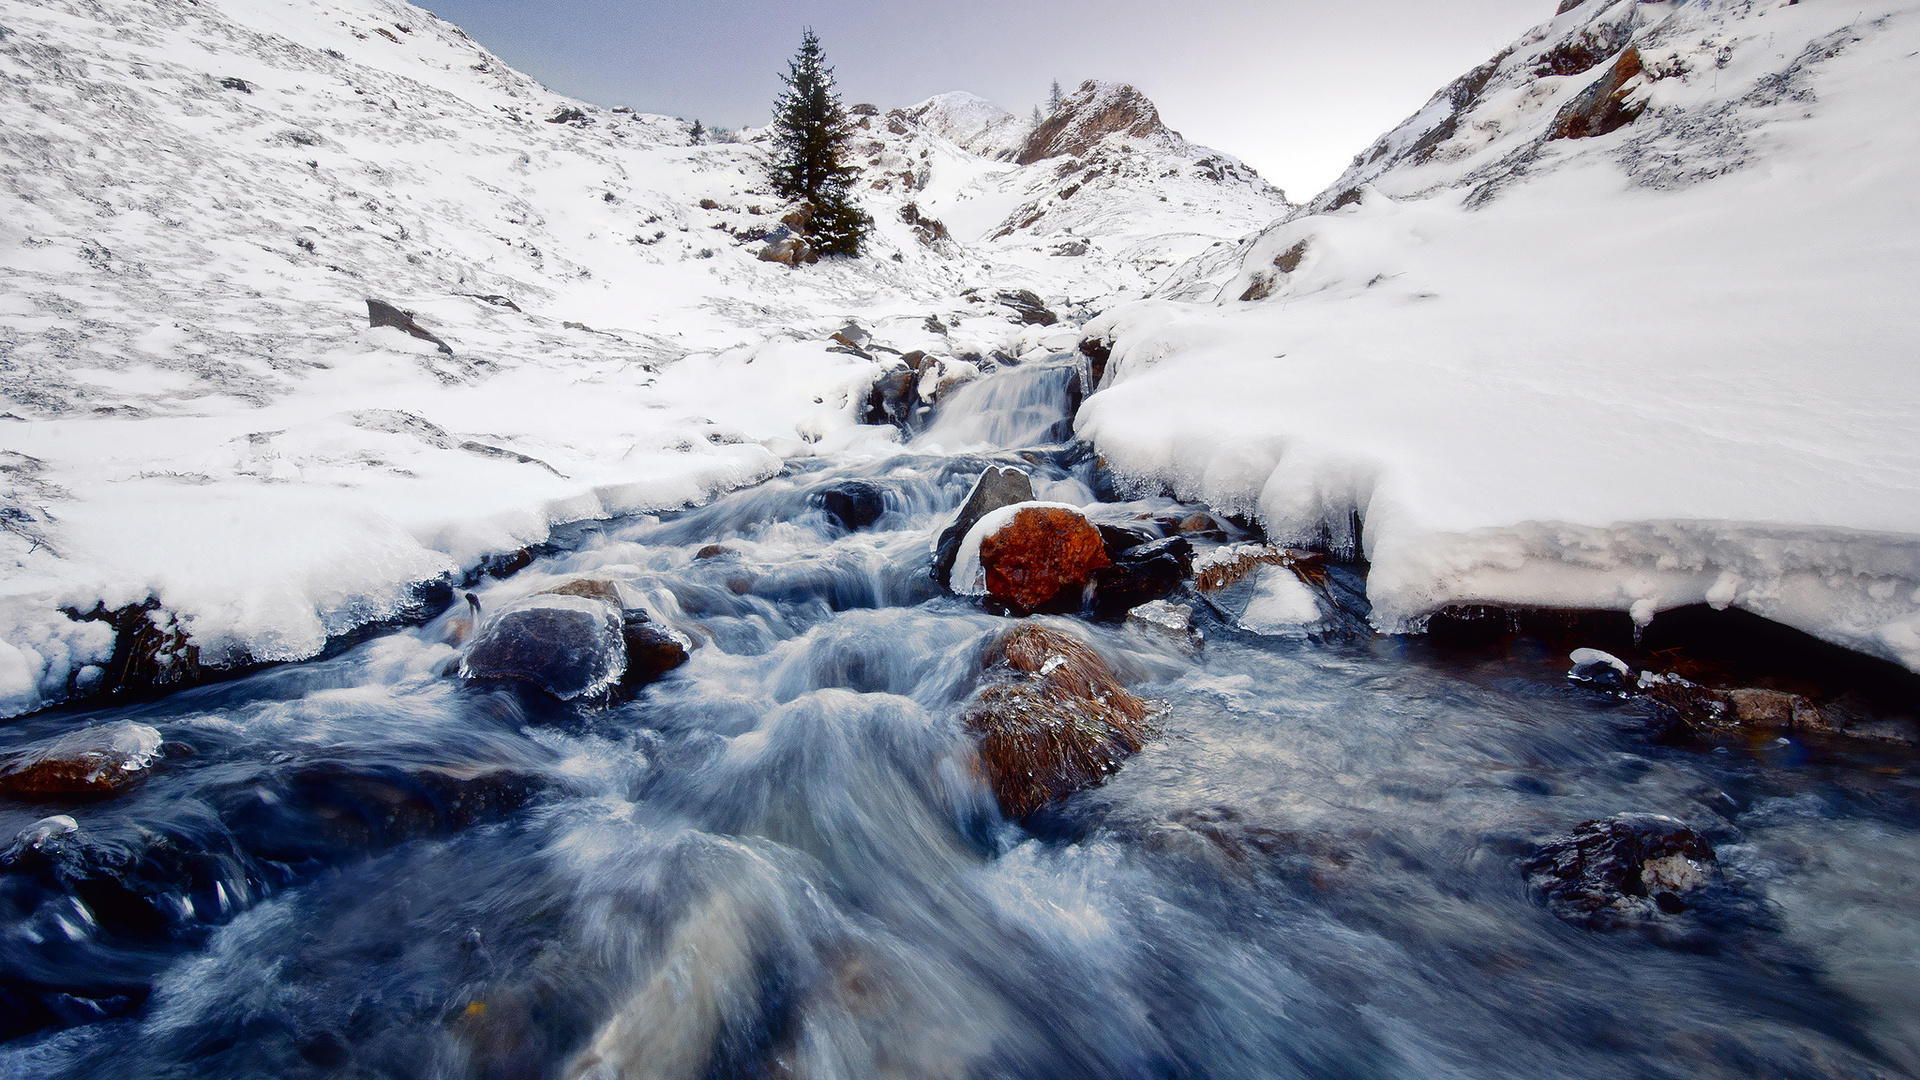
x: 198, y: 197
x: 1623, y: 319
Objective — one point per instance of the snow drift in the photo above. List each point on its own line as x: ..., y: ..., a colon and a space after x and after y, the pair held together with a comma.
x: 1663, y: 365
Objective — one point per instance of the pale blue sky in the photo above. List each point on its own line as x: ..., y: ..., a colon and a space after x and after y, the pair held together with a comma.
x: 1294, y: 87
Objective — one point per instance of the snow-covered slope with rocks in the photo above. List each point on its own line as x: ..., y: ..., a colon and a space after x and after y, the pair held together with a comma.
x: 198, y: 197
x: 1623, y: 319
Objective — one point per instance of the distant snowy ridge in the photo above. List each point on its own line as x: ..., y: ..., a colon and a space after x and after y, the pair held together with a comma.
x: 1666, y: 364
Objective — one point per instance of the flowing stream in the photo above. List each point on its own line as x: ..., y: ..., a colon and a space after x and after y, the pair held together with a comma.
x: 777, y: 861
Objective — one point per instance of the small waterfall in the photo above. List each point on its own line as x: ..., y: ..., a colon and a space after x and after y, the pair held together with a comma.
x: 1028, y: 406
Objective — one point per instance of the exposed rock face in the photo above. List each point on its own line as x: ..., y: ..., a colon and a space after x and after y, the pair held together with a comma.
x: 894, y: 398
x: 1036, y: 557
x: 1052, y: 719
x: 788, y: 249
x: 997, y: 487
x: 1628, y: 870
x: 1606, y: 106
x: 90, y: 763
x: 381, y: 313
x: 1088, y: 115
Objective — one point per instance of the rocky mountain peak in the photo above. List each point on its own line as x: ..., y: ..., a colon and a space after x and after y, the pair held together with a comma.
x: 1089, y: 115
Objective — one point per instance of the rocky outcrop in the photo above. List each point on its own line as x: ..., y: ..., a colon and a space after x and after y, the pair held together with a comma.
x: 1051, y: 718
x: 1628, y: 870
x: 1606, y: 106
x: 997, y: 487
x: 1090, y: 114
x: 381, y: 313
x: 91, y: 763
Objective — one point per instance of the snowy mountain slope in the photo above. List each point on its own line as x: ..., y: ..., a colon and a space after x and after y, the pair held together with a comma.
x: 1669, y: 363
x: 1102, y: 179
x: 198, y: 198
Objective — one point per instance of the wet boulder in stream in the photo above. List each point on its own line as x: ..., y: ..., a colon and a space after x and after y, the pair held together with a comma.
x: 997, y: 487
x: 852, y: 504
x: 1051, y: 717
x: 1031, y: 557
x: 92, y: 762
x: 1626, y: 871
x: 571, y: 642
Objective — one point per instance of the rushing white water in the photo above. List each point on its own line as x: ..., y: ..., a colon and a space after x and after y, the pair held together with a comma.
x: 779, y: 860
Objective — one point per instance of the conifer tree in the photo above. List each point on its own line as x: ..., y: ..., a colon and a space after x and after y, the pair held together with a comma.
x: 1055, y: 97
x: 699, y: 133
x: 810, y: 135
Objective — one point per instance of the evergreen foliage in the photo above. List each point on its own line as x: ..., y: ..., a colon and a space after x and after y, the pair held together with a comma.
x: 810, y: 135
x: 1055, y: 96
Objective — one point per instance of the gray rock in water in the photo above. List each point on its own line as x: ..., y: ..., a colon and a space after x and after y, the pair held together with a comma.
x: 1628, y: 870
x: 381, y: 313
x: 997, y: 487
x: 564, y: 645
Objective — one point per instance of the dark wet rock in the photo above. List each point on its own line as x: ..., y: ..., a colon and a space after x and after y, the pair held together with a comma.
x: 1605, y: 106
x: 713, y: 551
x: 1119, y: 538
x: 381, y: 313
x: 566, y: 646
x: 323, y: 811
x: 1141, y: 574
x: 652, y: 650
x: 1098, y: 352
x: 852, y: 504
x: 996, y: 487
x: 151, y: 650
x: 894, y: 398
x: 1626, y: 871
x: 90, y: 763
x: 1041, y: 558
x: 1686, y: 708
x: 1051, y: 717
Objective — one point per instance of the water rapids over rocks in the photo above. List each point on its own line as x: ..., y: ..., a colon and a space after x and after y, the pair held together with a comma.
x: 780, y: 859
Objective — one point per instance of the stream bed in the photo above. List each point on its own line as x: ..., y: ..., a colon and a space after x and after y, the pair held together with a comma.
x: 778, y: 861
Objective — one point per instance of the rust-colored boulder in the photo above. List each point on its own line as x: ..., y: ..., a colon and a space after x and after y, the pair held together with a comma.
x: 90, y: 763
x: 1042, y: 558
x: 1605, y: 106
x: 1052, y: 719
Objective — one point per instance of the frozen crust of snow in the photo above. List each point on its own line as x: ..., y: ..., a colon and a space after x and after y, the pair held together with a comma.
x: 1588, y: 391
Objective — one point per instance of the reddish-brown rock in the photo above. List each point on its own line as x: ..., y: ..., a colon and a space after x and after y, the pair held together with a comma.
x: 88, y: 763
x: 1052, y: 719
x: 1042, y: 559
x: 1605, y: 106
